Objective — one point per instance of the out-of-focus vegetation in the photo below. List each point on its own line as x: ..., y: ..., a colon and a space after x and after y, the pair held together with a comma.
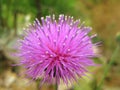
x: 102, y: 15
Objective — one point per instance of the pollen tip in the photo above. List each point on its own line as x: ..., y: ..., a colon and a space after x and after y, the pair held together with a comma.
x: 42, y: 18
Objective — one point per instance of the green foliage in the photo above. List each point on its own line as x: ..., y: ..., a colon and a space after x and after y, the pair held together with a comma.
x: 57, y: 7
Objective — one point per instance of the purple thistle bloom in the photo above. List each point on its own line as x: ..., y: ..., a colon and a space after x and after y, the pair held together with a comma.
x: 57, y: 50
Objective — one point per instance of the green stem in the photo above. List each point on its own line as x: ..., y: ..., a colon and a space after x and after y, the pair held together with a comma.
x: 56, y: 86
x: 38, y: 85
x: 108, y: 68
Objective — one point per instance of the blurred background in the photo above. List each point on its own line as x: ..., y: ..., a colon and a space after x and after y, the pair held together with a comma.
x: 102, y: 15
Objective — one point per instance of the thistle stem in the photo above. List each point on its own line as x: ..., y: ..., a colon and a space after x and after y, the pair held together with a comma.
x: 56, y: 86
x: 38, y: 85
x: 108, y: 68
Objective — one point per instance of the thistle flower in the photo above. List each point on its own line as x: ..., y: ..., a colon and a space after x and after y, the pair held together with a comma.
x: 56, y: 50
